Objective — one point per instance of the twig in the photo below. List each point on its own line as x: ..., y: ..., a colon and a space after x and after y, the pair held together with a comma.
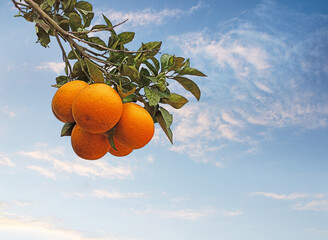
x: 102, y: 29
x: 65, y: 58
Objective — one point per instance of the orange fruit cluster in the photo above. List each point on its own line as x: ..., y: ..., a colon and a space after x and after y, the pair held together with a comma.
x: 96, y: 109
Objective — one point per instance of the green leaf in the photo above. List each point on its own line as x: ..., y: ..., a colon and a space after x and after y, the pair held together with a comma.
x: 152, y: 95
x: 165, y: 62
x: 125, y: 94
x: 98, y: 41
x: 175, y: 100
x: 99, y: 26
x: 67, y: 129
x: 130, y: 72
x: 83, y: 5
x: 126, y: 37
x: 110, y: 134
x: 72, y: 55
x: 191, y: 71
x: 51, y: 2
x: 189, y: 85
x: 165, y: 119
x: 61, y: 80
x: 78, y: 68
x: 156, y: 63
x: 43, y: 37
x: 151, y: 67
x: 109, y: 24
x: 96, y: 75
x: 75, y: 21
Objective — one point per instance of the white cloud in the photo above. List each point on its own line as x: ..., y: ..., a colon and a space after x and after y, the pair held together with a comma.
x: 149, y: 16
x: 100, y: 193
x: 99, y: 168
x: 43, y: 171
x: 57, y: 67
x: 303, y: 201
x: 292, y: 196
x: 8, y: 112
x: 188, y: 214
x: 317, y: 205
x: 5, y: 160
x: 10, y: 223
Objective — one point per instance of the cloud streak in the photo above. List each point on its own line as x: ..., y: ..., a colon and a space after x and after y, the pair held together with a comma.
x: 79, y: 166
x: 149, y: 16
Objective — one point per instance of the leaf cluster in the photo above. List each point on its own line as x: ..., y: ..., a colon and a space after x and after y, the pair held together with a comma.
x: 142, y: 76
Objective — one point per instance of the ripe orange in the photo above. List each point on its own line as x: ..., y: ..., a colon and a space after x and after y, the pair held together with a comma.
x: 55, y: 114
x: 97, y: 108
x: 135, y: 127
x: 90, y: 146
x: 121, y: 149
x: 63, y: 100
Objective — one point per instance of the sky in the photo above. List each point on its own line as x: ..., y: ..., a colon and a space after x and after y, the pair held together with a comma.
x: 249, y: 160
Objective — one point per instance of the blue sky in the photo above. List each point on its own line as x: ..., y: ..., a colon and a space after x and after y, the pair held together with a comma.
x: 249, y: 161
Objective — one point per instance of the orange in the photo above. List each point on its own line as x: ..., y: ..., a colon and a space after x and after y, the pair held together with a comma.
x: 135, y: 127
x: 97, y: 108
x: 90, y: 146
x: 121, y: 149
x: 63, y: 100
x: 55, y: 114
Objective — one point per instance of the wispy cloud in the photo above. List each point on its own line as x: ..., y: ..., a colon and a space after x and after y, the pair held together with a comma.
x: 149, y: 16
x: 43, y: 171
x: 10, y: 223
x: 291, y: 196
x: 317, y: 205
x: 101, y: 193
x: 57, y: 67
x: 77, y: 166
x: 5, y: 160
x: 8, y: 112
x: 189, y: 214
x: 302, y: 201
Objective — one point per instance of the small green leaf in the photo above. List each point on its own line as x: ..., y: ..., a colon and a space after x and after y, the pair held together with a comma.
x: 189, y: 85
x: 109, y: 24
x: 125, y: 94
x: 67, y: 129
x: 51, y: 2
x: 126, y: 37
x: 99, y: 26
x: 151, y: 67
x: 110, y: 134
x: 84, y: 6
x: 165, y: 119
x: 43, y: 37
x: 61, y: 80
x: 98, y: 41
x: 96, y: 75
x: 130, y: 72
x: 152, y: 95
x: 156, y: 63
x: 191, y: 71
x: 75, y: 21
x: 72, y: 55
x: 165, y: 62
x: 175, y: 100
x: 79, y: 68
